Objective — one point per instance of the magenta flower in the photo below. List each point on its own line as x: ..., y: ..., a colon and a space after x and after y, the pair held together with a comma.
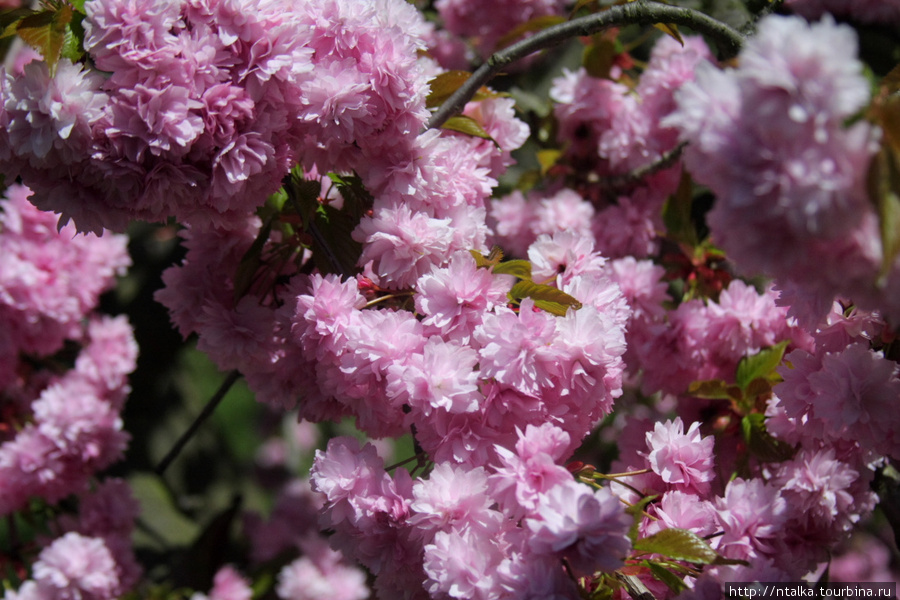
x: 322, y: 576
x: 523, y: 476
x: 517, y: 349
x: 456, y: 297
x: 752, y: 514
x: 682, y: 459
x: 403, y: 245
x: 451, y: 497
x: 587, y: 527
x: 443, y: 377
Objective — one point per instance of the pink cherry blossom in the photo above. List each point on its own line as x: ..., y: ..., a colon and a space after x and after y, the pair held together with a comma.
x: 451, y: 497
x: 587, y: 527
x: 76, y: 567
x: 516, y: 349
x: 752, y: 515
x: 682, y: 459
x: 227, y: 585
x: 455, y: 298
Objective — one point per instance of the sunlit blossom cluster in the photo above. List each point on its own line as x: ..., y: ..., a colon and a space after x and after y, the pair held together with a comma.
x: 771, y: 139
x: 198, y: 109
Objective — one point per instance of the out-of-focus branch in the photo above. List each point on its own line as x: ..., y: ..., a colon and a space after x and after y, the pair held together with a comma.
x: 625, y: 180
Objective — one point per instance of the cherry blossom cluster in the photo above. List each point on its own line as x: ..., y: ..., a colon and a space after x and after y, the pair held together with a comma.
x: 69, y: 423
x: 607, y: 127
x: 320, y: 572
x: 769, y: 138
x: 92, y: 557
x: 63, y: 425
x: 485, y: 532
x: 499, y: 395
x: 198, y: 109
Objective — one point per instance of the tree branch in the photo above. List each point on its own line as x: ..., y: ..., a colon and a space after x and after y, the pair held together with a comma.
x: 635, y: 13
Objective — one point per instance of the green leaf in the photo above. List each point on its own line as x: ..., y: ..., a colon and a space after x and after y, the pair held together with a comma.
x: 490, y: 261
x: 73, y: 47
x: 550, y: 299
x: 714, y: 389
x: 678, y: 544
x: 548, y: 158
x: 759, y: 366
x: 554, y: 308
x: 883, y: 180
x: 263, y: 583
x: 357, y: 199
x: 677, y: 213
x: 758, y: 388
x: 165, y: 525
x: 884, y: 190
x: 303, y: 196
x: 761, y: 443
x: 45, y: 31
x: 672, y: 581
x: 334, y: 250
x: 530, y: 26
x: 275, y: 203
x: 443, y: 86
x: 10, y: 19
x: 516, y: 268
x: 885, y: 109
x: 636, y: 511
x: 467, y: 125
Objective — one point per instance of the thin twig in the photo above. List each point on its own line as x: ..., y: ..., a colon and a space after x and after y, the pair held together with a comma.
x: 208, y: 410
x: 625, y: 180
x: 623, y: 474
x: 372, y: 303
x: 634, y: 13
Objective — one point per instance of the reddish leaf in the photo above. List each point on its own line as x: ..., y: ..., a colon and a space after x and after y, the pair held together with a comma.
x: 45, y: 31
